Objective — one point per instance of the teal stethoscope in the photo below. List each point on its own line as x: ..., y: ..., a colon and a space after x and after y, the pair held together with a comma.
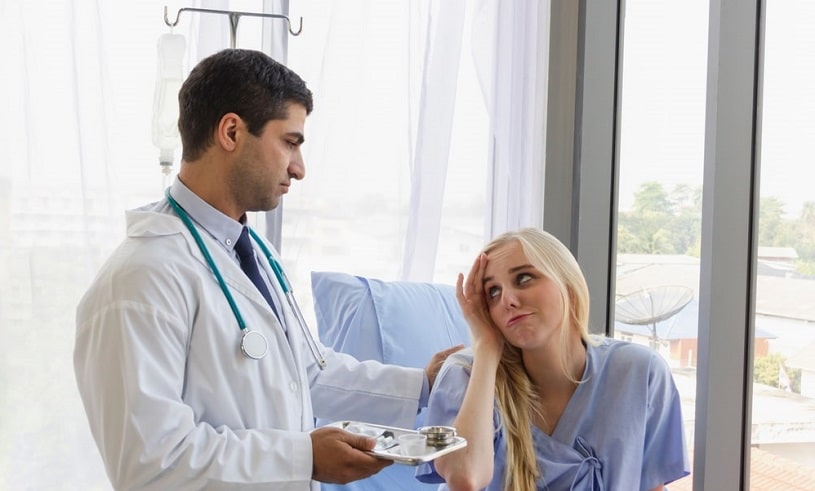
x: 253, y: 343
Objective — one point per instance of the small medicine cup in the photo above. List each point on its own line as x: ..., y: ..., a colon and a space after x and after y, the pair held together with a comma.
x: 412, y: 443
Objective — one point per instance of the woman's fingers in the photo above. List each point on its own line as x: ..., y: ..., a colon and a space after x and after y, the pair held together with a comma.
x: 474, y: 285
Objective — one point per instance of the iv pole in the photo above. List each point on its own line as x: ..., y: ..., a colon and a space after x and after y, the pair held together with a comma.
x: 273, y: 219
x: 234, y: 18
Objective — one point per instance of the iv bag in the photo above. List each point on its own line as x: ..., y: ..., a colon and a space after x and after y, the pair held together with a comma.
x: 169, y: 77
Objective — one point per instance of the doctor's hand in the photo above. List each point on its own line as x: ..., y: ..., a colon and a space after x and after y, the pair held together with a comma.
x: 339, y: 456
x: 432, y: 368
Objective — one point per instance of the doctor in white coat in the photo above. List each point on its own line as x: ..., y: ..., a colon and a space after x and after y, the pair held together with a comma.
x: 177, y: 393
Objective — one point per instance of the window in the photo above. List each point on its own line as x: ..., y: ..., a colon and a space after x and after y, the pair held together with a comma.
x: 783, y: 425
x: 662, y: 117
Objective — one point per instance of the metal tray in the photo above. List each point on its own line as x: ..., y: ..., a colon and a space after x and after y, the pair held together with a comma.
x: 394, y: 452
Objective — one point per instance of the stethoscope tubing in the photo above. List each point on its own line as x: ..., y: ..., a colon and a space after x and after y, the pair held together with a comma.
x: 205, y: 251
x: 276, y: 268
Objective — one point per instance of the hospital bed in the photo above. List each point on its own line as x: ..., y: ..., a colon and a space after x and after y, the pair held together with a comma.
x: 402, y: 323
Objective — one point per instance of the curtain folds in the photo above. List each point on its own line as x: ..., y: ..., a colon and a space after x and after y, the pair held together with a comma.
x: 506, y: 48
x: 512, y: 58
x: 60, y: 211
x: 438, y: 72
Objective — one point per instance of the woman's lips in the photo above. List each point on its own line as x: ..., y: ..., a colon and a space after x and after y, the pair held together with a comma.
x: 514, y: 320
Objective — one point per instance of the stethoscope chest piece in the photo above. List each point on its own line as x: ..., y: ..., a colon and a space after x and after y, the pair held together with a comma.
x: 254, y: 345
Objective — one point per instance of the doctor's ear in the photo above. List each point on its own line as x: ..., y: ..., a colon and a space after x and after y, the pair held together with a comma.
x: 227, y: 131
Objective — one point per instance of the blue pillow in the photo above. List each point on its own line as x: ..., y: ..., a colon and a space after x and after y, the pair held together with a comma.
x: 399, y: 322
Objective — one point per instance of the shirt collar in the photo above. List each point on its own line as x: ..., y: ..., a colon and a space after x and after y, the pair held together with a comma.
x: 220, y: 227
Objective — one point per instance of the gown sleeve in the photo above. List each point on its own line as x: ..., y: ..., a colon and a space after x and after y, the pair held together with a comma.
x: 443, y: 405
x: 665, y: 456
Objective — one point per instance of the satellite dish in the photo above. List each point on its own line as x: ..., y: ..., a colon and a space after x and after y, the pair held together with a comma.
x: 651, y: 305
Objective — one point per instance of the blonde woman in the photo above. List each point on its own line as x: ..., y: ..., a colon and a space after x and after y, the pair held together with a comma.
x: 542, y: 404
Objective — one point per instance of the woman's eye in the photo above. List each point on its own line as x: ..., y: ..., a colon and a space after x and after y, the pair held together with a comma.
x: 492, y: 292
x: 523, y: 278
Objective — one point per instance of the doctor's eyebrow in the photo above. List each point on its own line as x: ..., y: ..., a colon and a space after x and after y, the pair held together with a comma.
x: 298, y: 137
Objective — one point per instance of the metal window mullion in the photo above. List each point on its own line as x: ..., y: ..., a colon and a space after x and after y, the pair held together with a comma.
x: 729, y: 219
x: 580, y: 190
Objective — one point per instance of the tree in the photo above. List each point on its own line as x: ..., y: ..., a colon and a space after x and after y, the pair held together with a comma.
x: 644, y: 224
x: 805, y: 243
x: 670, y: 223
x: 773, y: 230
x: 686, y: 225
x: 766, y: 370
x: 661, y: 223
x: 651, y: 198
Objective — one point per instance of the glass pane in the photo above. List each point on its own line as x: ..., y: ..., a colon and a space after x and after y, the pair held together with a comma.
x: 783, y: 405
x: 661, y: 166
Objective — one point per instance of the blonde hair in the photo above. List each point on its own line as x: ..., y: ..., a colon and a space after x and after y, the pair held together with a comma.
x: 514, y: 391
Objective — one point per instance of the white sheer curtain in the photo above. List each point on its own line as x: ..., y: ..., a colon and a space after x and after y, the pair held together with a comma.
x: 77, y: 88
x: 432, y: 116
x: 396, y: 149
x: 512, y: 68
x: 397, y: 100
x: 508, y: 49
x: 76, y: 94
x: 416, y: 123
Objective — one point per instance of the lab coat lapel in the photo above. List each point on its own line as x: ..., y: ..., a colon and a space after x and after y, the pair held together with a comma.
x: 292, y: 332
x: 237, y: 280
x: 152, y: 224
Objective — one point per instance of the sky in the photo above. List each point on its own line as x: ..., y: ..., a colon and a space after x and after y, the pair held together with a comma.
x: 663, y: 102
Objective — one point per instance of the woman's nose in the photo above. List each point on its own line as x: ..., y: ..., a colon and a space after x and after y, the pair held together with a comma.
x: 509, y: 298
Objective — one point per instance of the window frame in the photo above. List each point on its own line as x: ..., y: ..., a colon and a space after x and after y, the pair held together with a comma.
x: 581, y: 191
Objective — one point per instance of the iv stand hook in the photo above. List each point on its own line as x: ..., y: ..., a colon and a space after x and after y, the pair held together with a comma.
x: 233, y: 18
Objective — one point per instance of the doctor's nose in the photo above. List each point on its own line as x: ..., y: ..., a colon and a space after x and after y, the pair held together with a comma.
x: 297, y: 167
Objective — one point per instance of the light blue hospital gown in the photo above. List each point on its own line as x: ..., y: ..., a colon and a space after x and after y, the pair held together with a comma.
x: 621, y: 430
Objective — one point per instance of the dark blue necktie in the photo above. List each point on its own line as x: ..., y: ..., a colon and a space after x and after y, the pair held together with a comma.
x: 249, y: 265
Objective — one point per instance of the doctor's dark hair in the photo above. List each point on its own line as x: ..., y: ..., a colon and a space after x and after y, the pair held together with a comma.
x: 248, y: 83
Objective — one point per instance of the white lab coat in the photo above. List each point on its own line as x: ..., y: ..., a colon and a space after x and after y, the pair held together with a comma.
x: 171, y: 400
